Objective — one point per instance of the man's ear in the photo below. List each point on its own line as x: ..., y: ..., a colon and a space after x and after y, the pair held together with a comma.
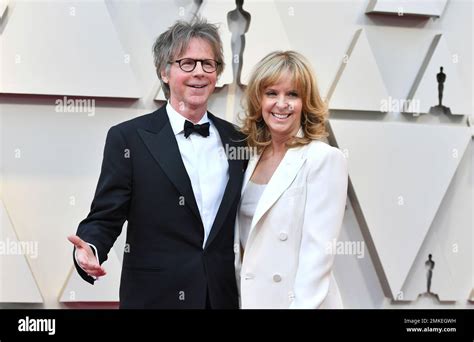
x: 164, y: 77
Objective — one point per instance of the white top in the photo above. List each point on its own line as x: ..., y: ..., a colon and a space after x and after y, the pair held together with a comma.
x: 248, y: 205
x: 205, y: 164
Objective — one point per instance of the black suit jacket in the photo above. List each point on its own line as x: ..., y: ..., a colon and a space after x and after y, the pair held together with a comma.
x: 143, y: 180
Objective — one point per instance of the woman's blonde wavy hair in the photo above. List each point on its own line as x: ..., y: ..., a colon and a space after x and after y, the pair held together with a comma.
x: 267, y: 72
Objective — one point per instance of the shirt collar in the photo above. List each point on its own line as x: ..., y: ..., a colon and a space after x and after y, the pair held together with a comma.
x: 177, y: 120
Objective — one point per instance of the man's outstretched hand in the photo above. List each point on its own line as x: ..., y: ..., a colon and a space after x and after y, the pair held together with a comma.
x: 86, y: 258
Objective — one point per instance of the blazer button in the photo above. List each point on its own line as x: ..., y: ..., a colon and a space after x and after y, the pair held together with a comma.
x: 236, y: 248
x: 283, y: 236
x: 276, y: 278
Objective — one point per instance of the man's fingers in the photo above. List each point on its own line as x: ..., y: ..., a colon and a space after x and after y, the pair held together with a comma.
x: 77, y: 241
x: 92, y: 266
x: 96, y: 272
x: 89, y: 263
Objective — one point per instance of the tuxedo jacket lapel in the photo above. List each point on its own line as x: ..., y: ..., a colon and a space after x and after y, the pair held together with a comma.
x: 161, y: 143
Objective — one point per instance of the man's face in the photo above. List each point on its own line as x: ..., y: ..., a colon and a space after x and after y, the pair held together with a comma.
x: 189, y: 91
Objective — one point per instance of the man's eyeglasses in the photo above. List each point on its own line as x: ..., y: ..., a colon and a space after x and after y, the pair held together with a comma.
x: 189, y: 64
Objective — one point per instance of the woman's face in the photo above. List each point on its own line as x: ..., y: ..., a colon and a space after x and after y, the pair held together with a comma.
x: 281, y: 108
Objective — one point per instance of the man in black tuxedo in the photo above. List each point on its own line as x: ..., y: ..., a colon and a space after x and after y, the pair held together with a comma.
x: 166, y: 173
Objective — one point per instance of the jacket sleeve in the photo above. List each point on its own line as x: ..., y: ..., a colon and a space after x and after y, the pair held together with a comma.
x: 324, y: 212
x: 111, y: 201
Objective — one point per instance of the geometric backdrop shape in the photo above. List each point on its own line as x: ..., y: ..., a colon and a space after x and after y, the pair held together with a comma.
x: 106, y: 289
x: 449, y: 241
x: 358, y: 84
x: 17, y: 283
x: 138, y: 28
x: 276, y: 37
x: 354, y: 269
x: 3, y: 7
x: 307, y: 24
x: 216, y: 13
x: 400, y: 173
x: 160, y: 95
x: 425, y: 88
x: 429, y: 8
x: 64, y: 48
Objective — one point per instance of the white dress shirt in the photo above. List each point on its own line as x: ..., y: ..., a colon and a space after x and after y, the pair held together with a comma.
x: 206, y: 165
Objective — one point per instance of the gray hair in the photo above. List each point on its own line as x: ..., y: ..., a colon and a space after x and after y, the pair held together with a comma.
x: 174, y: 41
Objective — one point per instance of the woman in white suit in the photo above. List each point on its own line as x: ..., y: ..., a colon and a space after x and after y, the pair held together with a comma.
x: 294, y: 191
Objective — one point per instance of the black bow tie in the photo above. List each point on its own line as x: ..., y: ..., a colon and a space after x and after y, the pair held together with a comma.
x: 202, y: 129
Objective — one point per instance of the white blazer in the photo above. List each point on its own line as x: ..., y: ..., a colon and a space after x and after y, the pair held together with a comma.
x: 287, y: 262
